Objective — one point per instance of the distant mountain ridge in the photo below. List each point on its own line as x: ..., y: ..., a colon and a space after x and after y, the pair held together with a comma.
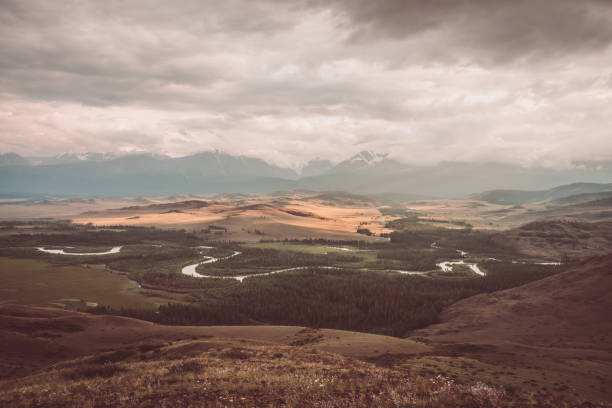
x: 583, y: 198
x: 214, y: 172
x: 146, y: 174
x: 68, y: 158
x: 12, y: 159
x: 559, y: 194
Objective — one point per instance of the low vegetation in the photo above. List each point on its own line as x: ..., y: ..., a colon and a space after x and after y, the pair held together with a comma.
x: 248, y: 376
x: 379, y: 302
x: 372, y: 300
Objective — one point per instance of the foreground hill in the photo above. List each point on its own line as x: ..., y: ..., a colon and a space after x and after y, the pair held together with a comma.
x: 67, y: 359
x: 571, y: 309
x: 560, y: 325
x: 35, y: 337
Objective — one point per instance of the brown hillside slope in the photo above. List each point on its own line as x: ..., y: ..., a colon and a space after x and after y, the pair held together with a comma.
x: 78, y: 360
x: 571, y: 309
x: 557, y: 239
x: 33, y: 338
x: 550, y: 334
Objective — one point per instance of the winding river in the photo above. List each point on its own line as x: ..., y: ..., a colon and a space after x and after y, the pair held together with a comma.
x: 113, y: 250
x: 190, y: 270
x: 447, y: 266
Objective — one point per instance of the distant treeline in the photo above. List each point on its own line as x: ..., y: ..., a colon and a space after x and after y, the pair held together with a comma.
x: 100, y: 236
x: 475, y: 242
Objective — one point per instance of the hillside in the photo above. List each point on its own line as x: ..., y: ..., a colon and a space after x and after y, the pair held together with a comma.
x: 558, y: 239
x: 582, y: 198
x: 58, y: 358
x: 560, y: 325
x: 332, y: 215
x: 579, y: 192
x: 570, y: 309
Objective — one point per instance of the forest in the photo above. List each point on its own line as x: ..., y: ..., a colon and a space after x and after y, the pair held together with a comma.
x: 378, y: 302
x: 351, y: 298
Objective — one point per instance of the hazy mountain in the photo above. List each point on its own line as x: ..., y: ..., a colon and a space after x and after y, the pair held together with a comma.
x: 367, y: 161
x: 98, y: 174
x: 447, y: 179
x: 146, y: 174
x: 316, y: 167
x: 68, y: 158
x: 12, y: 159
x: 222, y: 164
x: 523, y: 197
x: 583, y: 198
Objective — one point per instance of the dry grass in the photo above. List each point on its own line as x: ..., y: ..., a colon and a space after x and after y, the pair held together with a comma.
x: 551, y: 335
x: 246, y: 377
x: 56, y: 358
x: 263, y: 217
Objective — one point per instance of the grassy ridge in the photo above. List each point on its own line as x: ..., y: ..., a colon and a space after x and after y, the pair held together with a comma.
x: 204, y: 373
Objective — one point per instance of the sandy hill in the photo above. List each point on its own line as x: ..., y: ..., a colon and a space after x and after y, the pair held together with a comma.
x: 251, y: 219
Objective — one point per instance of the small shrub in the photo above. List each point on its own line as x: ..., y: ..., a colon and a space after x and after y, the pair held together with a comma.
x: 93, y: 371
x: 114, y: 357
x: 190, y: 366
x: 148, y: 347
x: 234, y: 354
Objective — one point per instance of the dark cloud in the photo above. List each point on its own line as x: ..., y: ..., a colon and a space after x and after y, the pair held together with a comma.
x: 483, y: 31
x: 291, y: 80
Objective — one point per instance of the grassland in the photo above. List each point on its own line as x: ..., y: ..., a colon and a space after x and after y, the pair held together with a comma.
x: 117, y: 362
x: 247, y: 377
x: 101, y: 359
x: 304, y: 248
x: 29, y: 281
x: 362, y: 294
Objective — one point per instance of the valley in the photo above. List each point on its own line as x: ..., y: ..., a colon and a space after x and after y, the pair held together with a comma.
x: 289, y: 274
x: 306, y: 203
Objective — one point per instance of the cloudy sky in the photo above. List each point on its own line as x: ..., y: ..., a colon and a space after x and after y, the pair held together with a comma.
x: 526, y: 81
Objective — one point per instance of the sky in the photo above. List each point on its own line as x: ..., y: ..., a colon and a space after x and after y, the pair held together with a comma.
x: 527, y: 82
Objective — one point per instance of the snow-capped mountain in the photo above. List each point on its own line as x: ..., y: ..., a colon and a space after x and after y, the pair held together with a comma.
x: 100, y: 174
x: 67, y: 158
x: 144, y: 174
x: 368, y: 161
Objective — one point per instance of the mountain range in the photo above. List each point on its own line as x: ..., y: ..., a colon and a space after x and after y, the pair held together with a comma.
x: 110, y: 175
x: 565, y: 194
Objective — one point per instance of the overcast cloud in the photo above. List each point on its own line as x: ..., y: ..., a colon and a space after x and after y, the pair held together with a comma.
x: 430, y: 80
